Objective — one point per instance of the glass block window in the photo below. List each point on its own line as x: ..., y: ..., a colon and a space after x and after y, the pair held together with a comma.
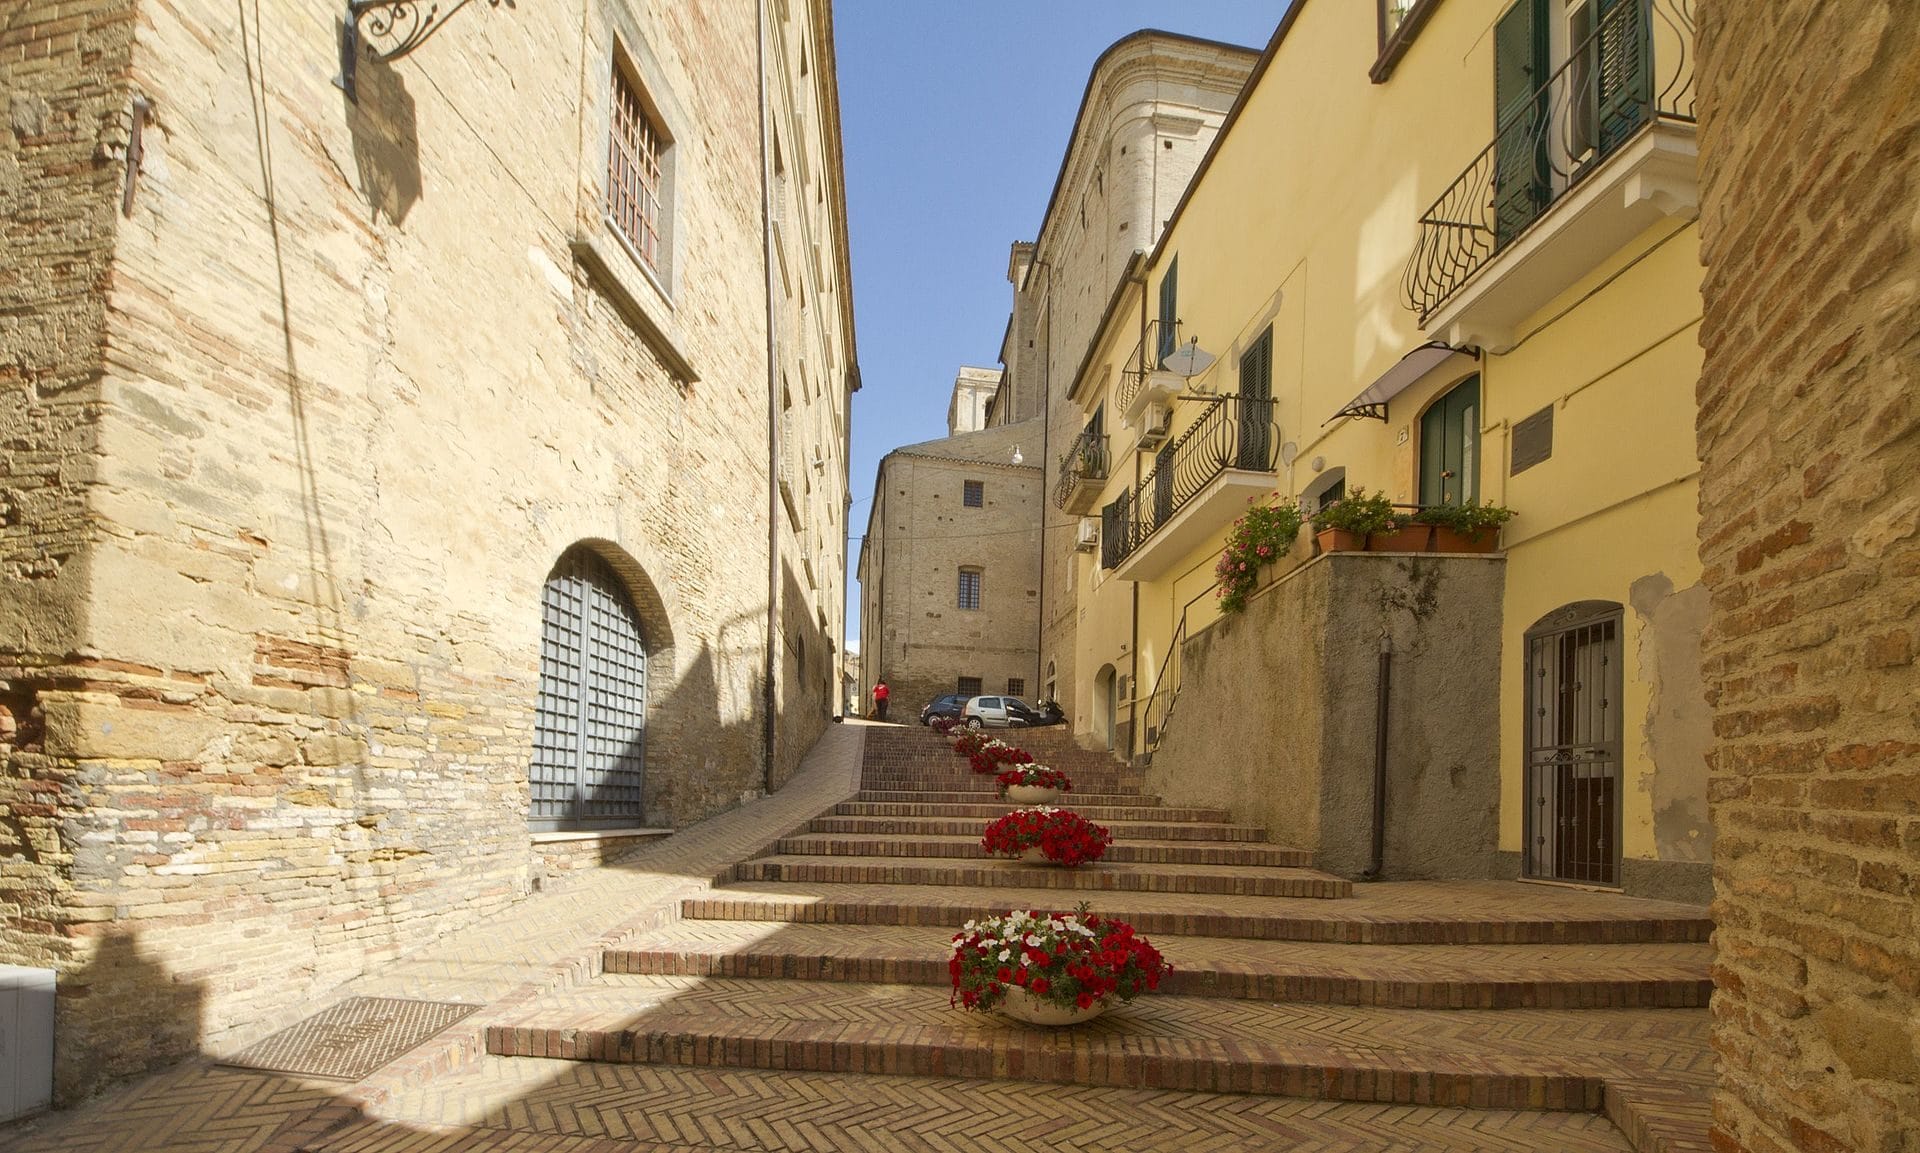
x: 970, y: 588
x: 969, y: 686
x: 1016, y: 686
x: 589, y: 748
x: 634, y: 170
x: 973, y: 494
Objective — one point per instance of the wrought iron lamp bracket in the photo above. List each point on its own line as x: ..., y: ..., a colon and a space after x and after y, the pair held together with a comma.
x: 388, y: 30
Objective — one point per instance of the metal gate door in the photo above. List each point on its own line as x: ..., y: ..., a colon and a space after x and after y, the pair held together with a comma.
x: 1573, y: 745
x: 589, y: 754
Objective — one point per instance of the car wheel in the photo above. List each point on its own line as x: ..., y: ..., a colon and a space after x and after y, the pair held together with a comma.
x: 974, y: 724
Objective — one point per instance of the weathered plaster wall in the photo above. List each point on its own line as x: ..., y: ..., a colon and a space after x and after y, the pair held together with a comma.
x: 1809, y: 436
x: 1276, y: 714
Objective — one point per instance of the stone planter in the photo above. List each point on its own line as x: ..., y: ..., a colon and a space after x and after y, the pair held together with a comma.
x: 1024, y: 795
x: 1034, y: 856
x: 1340, y: 540
x: 1024, y: 1006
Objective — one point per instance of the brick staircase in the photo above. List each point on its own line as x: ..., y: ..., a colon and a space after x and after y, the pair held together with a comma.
x: 828, y: 956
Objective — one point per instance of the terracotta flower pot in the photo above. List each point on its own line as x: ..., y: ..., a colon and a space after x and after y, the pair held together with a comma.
x: 1032, y: 795
x: 1451, y: 540
x: 1024, y: 1006
x: 1410, y: 538
x: 1340, y: 540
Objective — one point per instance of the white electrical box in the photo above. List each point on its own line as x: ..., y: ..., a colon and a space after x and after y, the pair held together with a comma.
x: 26, y: 1040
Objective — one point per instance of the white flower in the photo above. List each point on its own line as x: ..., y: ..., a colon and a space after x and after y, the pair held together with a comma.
x: 1006, y: 954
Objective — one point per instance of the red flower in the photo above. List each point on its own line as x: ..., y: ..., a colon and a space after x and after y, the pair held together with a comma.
x: 1040, y: 985
x: 1084, y: 1000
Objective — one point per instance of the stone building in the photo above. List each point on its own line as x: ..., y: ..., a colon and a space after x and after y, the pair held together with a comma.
x: 1809, y: 532
x: 973, y: 390
x: 949, y: 569
x: 411, y: 487
x: 1153, y: 102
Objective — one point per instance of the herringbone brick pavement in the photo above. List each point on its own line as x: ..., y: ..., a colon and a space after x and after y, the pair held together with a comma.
x: 746, y: 1109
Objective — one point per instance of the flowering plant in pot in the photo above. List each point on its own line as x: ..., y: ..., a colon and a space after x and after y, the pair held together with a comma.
x: 1259, y: 537
x: 995, y: 753
x: 1470, y: 527
x: 967, y: 742
x: 1051, y: 968
x: 944, y: 725
x: 1043, y: 833
x: 1344, y: 525
x: 1032, y: 783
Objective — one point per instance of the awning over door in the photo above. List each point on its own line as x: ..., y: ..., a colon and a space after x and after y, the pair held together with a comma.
x: 1411, y: 368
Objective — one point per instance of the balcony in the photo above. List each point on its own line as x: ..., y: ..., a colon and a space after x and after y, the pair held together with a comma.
x: 1144, y: 382
x: 1083, y: 471
x: 1598, y: 154
x: 1199, y: 483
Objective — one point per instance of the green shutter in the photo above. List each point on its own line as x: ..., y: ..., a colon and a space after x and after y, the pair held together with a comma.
x: 1520, y: 170
x: 1256, y: 405
x: 1169, y: 312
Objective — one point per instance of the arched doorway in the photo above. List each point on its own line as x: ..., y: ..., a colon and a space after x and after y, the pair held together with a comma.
x: 590, y: 722
x: 1106, y: 703
x: 1574, y: 685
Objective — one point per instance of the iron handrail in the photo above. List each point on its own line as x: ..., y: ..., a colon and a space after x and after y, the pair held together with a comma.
x: 1610, y: 88
x: 1085, y: 460
x: 1163, y: 695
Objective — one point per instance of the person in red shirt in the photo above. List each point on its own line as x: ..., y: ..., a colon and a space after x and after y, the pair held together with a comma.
x: 880, y: 695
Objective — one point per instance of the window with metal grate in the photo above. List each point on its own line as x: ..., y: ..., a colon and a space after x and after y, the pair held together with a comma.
x: 969, y: 686
x: 589, y: 753
x: 970, y: 588
x: 973, y: 494
x: 635, y: 189
x: 1016, y: 686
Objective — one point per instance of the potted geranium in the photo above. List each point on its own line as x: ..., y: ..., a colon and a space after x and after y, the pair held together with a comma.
x: 1043, y: 834
x: 967, y: 742
x: 1032, y: 784
x: 1345, y: 524
x: 1258, y: 538
x: 1051, y: 968
x: 1470, y: 527
x: 944, y: 725
x: 992, y: 754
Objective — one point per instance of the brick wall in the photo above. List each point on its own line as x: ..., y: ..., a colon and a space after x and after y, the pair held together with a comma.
x: 354, y: 389
x: 1809, y: 432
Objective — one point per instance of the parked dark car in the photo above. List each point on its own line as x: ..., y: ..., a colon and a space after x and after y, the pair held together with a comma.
x: 945, y: 705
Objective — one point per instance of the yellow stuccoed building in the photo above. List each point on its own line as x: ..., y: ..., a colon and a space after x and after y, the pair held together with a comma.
x: 1447, y: 252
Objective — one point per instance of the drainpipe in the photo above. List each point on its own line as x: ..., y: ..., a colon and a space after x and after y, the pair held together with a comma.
x: 1046, y: 454
x: 1382, y: 691
x: 1133, y: 643
x: 770, y: 696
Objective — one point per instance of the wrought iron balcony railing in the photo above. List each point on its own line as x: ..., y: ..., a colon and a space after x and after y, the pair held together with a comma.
x: 1139, y: 364
x: 1633, y: 68
x: 1084, y: 463
x: 1234, y: 432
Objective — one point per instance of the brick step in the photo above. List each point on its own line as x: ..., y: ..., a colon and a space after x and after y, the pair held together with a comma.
x: 673, y: 1109
x: 982, y: 787
x: 1149, y: 847
x: 971, y: 826
x: 988, y: 796
x: 1403, y: 976
x: 1523, y: 1058
x: 1662, y: 1116
x: 1389, y: 913
x: 1249, y: 880
x: 999, y: 809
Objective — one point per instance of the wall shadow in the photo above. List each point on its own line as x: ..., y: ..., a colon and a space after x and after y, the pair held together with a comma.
x: 386, y: 142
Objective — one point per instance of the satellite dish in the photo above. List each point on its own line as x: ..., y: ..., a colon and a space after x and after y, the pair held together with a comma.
x: 1188, y: 360
x: 1288, y: 453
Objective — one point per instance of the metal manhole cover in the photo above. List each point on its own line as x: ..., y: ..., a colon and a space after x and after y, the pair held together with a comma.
x: 353, y: 1038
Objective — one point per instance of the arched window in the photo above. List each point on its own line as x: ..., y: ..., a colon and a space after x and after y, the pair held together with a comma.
x: 589, y: 747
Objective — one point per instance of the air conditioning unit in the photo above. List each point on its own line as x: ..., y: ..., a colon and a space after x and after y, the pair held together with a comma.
x: 1153, y: 424
x: 1089, y: 535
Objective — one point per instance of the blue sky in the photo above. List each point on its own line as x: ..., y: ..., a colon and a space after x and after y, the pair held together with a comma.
x: 955, y: 118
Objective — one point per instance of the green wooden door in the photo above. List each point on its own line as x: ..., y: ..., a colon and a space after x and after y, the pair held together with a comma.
x: 1450, y: 447
x: 1522, y: 183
